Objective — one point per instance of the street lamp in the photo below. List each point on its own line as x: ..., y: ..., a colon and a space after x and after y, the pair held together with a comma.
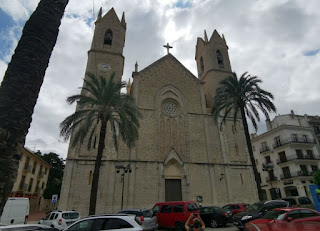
x: 124, y: 170
x: 269, y: 168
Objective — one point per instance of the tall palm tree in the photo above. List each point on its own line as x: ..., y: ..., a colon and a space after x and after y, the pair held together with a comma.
x: 101, y: 102
x: 243, y: 96
x: 21, y: 85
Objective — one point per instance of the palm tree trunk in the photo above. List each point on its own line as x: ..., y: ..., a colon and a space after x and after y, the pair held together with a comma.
x: 21, y: 85
x: 253, y: 162
x: 96, y: 172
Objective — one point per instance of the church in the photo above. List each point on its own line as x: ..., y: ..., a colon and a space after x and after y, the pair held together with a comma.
x: 181, y: 153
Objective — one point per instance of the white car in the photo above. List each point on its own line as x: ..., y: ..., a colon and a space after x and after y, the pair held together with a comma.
x: 60, y: 219
x: 27, y: 227
x: 145, y: 217
x: 106, y: 222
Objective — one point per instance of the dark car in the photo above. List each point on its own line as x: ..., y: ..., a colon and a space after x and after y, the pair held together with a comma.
x: 236, y: 208
x: 214, y: 216
x: 27, y: 227
x: 257, y: 210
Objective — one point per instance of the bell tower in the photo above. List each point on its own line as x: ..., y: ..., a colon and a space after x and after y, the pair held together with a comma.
x: 106, y: 53
x: 213, y: 63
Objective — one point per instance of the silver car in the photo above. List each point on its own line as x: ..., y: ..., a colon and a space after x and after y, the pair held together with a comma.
x: 145, y: 217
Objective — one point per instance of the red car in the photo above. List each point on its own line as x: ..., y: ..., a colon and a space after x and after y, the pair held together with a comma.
x: 174, y: 214
x: 285, y: 215
x: 284, y: 226
x: 236, y: 208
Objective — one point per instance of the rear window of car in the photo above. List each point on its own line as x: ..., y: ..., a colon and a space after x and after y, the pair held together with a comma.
x: 192, y: 207
x: 70, y: 215
x: 304, y: 200
x: 147, y: 213
x: 275, y: 215
x: 291, y: 201
x: 255, y: 207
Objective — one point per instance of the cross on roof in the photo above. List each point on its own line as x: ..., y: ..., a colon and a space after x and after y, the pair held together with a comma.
x: 168, y: 47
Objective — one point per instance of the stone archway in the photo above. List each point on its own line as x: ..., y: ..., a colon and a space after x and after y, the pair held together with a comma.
x: 173, y: 175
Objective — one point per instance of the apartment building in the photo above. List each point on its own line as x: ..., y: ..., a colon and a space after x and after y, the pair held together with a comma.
x: 31, y: 179
x: 287, y: 155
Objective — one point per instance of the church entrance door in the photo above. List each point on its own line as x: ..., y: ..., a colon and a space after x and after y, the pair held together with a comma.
x: 173, y: 190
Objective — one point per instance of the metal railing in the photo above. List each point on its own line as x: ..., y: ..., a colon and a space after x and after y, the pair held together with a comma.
x: 302, y: 140
x: 295, y: 157
x: 295, y: 174
x: 264, y: 149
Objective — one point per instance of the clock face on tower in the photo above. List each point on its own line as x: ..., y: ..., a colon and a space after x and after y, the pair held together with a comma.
x: 104, y: 67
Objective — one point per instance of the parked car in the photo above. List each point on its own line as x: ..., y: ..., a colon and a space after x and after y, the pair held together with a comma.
x: 256, y: 210
x: 27, y: 227
x: 121, y: 222
x: 15, y: 211
x: 214, y: 216
x: 310, y: 226
x: 146, y: 217
x: 289, y: 215
x: 60, y: 219
x: 236, y: 208
x: 298, y: 201
x: 174, y: 214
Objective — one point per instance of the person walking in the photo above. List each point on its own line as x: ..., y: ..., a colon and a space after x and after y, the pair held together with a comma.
x: 198, y: 224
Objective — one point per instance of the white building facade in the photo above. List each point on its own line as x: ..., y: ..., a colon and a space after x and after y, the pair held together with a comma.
x: 290, y: 145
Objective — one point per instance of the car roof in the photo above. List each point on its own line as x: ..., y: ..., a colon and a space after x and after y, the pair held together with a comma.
x: 291, y: 209
x: 171, y: 202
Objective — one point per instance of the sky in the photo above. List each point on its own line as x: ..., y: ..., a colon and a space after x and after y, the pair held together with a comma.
x: 276, y: 40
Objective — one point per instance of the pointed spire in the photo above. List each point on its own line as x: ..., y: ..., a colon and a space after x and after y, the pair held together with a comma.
x: 123, y: 19
x: 136, y: 67
x: 205, y: 36
x: 99, y: 14
x: 129, y: 87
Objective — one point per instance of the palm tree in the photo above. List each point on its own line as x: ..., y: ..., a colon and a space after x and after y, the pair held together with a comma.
x: 243, y: 96
x: 21, y: 85
x: 101, y: 102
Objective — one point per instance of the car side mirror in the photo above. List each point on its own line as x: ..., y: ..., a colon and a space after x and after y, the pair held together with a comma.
x: 289, y: 219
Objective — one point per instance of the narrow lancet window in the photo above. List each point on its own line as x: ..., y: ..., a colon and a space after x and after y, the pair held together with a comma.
x: 201, y: 64
x: 219, y: 58
x: 108, y: 37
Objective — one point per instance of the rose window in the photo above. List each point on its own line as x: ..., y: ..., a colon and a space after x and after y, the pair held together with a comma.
x: 170, y: 108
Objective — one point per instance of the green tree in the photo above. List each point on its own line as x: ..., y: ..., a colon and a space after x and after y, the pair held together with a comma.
x: 21, y: 85
x: 243, y: 97
x: 316, y: 178
x: 101, y: 103
x: 55, y: 175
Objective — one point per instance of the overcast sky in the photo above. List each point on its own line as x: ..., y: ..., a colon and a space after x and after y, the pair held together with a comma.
x: 276, y: 40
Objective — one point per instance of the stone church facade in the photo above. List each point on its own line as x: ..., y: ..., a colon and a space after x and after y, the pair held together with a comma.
x: 181, y: 153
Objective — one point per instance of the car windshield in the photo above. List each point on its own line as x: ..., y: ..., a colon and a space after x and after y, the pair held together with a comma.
x: 147, y: 213
x: 70, y: 215
x: 217, y: 209
x: 254, y: 207
x: 192, y: 207
x: 275, y: 215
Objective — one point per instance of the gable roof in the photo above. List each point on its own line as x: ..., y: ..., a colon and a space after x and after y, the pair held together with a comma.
x: 174, y: 59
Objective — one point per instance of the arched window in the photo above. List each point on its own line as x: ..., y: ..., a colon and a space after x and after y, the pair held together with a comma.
x: 108, y: 37
x: 219, y: 58
x: 201, y: 64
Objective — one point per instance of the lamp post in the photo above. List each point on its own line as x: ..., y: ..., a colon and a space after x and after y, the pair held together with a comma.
x: 124, y: 170
x: 269, y: 168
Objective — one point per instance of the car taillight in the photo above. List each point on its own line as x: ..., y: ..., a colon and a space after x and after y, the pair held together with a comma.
x: 141, y: 218
x: 225, y: 214
x: 60, y: 222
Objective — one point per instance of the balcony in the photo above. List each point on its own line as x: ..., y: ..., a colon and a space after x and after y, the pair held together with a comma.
x: 295, y: 157
x: 289, y: 140
x: 264, y: 149
x: 296, y: 174
x: 268, y: 179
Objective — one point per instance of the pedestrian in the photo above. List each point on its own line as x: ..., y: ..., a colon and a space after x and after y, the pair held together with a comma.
x: 198, y: 224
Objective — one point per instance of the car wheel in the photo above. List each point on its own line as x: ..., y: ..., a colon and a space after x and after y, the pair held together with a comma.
x: 214, y: 223
x: 178, y: 226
